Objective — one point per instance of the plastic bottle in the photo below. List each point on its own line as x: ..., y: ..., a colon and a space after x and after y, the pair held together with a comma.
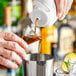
x: 45, y: 11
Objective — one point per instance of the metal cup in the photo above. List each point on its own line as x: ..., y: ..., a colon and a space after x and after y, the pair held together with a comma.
x: 39, y: 65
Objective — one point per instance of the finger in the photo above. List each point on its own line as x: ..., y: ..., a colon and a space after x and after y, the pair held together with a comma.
x: 14, y: 47
x: 57, y: 2
x: 10, y: 55
x: 8, y: 63
x: 68, y: 6
x: 64, y: 10
x: 59, y: 5
x: 69, y: 3
x: 15, y: 38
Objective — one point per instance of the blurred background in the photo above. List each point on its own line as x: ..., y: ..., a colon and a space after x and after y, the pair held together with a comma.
x: 58, y: 39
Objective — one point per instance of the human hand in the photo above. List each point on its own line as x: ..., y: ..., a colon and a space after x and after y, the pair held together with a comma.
x: 12, y: 48
x: 63, y: 6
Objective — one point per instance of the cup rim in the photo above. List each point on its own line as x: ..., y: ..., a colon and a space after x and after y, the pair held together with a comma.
x: 38, y: 57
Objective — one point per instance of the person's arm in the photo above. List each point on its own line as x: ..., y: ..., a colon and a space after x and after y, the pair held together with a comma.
x: 63, y: 6
x: 12, y: 48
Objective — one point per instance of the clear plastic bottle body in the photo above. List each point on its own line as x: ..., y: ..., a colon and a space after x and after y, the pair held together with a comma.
x: 45, y: 11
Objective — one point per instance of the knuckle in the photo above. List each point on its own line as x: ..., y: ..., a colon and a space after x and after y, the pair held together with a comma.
x: 15, y: 45
x: 5, y: 53
x: 11, y: 54
x: 13, y: 35
x: 22, y: 41
x: 1, y: 33
x: 12, y: 45
x: 1, y: 43
x: 6, y: 34
x: 25, y: 45
x: 6, y: 62
x: 2, y: 51
x: 8, y: 43
x: 9, y: 35
x: 2, y: 60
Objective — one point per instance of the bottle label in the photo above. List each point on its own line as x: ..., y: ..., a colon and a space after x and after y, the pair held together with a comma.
x: 7, y: 13
x: 66, y: 40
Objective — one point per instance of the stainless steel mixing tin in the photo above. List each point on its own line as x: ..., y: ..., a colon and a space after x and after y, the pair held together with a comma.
x: 38, y: 65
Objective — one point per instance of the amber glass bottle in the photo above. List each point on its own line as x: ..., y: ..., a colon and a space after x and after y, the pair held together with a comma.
x: 48, y: 37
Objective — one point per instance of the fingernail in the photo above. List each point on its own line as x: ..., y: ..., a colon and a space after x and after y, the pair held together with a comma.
x: 16, y: 66
x: 62, y: 17
x: 24, y: 55
x: 20, y: 61
x: 59, y: 15
x: 26, y: 45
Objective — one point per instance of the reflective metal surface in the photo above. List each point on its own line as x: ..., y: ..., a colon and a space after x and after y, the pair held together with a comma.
x: 39, y: 65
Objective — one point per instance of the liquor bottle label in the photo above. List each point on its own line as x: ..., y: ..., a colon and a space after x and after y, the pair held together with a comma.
x: 66, y: 40
x: 7, y: 13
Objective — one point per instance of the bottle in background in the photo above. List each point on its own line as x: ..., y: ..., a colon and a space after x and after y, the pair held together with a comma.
x: 11, y: 72
x: 26, y: 28
x: 15, y: 14
x: 66, y: 37
x: 21, y: 71
x: 49, y: 36
x: 6, y: 3
x: 54, y: 51
x: 25, y: 21
x: 7, y: 19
